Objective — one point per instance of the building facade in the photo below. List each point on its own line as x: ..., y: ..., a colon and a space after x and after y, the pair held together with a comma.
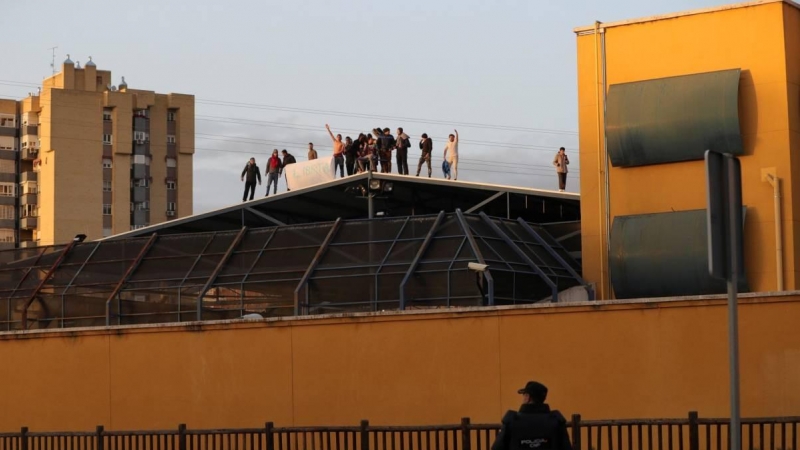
x: 85, y: 157
x: 654, y: 94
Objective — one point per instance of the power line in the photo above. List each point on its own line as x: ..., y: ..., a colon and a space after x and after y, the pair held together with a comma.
x: 359, y: 115
x: 316, y: 129
x: 383, y: 117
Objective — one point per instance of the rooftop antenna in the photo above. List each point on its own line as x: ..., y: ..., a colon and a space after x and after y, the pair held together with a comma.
x: 53, y: 61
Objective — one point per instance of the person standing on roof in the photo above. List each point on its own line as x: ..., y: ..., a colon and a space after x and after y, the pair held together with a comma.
x: 252, y: 172
x: 561, y: 161
x: 402, y: 146
x: 338, y: 152
x: 426, y: 146
x: 312, y: 154
x: 274, y: 168
x: 386, y: 144
x: 287, y: 159
x: 451, y: 155
x: 350, y: 154
x: 535, y: 426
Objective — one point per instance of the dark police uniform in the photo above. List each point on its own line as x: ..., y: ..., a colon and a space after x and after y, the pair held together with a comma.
x: 534, y: 427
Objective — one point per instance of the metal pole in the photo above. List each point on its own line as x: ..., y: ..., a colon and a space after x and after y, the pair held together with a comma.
x: 370, y: 208
x: 734, y: 204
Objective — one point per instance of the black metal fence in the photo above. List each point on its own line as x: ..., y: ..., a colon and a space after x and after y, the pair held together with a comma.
x: 690, y: 433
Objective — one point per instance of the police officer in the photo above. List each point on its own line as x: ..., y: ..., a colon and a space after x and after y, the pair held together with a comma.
x: 534, y: 427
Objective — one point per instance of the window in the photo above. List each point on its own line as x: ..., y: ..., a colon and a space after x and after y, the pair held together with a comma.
x: 106, y: 163
x: 107, y: 115
x: 106, y: 186
x: 8, y: 121
x: 141, y: 113
x: 8, y: 189
x: 142, y: 206
x: 7, y: 143
x: 29, y: 211
x: 170, y: 206
x: 144, y: 182
x: 171, y: 185
x: 171, y: 116
x: 170, y: 139
x: 106, y: 232
x: 140, y: 136
x: 106, y: 210
x: 29, y: 187
x: 7, y: 212
x: 139, y: 227
x: 172, y: 162
x: 107, y: 139
x: 139, y: 159
x: 7, y: 235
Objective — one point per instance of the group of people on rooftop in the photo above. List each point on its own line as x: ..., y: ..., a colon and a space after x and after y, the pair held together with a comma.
x: 369, y: 151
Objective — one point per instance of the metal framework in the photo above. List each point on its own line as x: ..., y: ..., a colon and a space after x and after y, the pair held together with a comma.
x: 342, y: 266
x: 44, y: 279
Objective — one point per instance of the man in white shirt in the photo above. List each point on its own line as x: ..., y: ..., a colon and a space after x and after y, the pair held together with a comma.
x: 451, y: 154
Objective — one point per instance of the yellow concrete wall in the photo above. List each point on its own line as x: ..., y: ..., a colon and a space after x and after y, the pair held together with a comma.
x: 686, y: 45
x: 45, y: 232
x: 185, y: 140
x: 76, y: 140
x: 623, y: 360
x: 792, y: 35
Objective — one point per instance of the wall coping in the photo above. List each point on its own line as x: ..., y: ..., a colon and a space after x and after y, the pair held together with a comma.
x: 589, y: 29
x: 419, y: 314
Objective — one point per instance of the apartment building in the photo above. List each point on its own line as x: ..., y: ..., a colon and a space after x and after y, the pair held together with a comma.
x: 86, y: 157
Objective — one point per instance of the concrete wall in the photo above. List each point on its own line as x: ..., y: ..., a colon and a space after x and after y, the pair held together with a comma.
x: 686, y: 45
x: 623, y: 360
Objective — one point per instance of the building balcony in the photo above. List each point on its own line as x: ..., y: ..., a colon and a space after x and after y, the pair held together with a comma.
x: 7, y: 177
x: 28, y: 223
x: 28, y: 244
x: 29, y: 154
x: 28, y: 176
x: 8, y: 223
x: 8, y: 200
x: 140, y: 194
x: 140, y: 171
x: 9, y: 132
x: 31, y: 130
x: 8, y: 154
x: 29, y: 199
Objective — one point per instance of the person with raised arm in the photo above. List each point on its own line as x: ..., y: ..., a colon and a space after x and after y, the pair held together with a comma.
x: 338, y: 152
x: 451, y: 154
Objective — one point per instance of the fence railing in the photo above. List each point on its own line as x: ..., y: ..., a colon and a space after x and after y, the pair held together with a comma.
x: 690, y: 433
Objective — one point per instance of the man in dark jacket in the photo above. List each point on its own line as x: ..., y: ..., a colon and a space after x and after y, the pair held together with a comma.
x: 426, y: 146
x: 252, y: 172
x: 402, y: 145
x: 350, y: 154
x: 386, y: 144
x: 534, y: 427
x: 287, y: 159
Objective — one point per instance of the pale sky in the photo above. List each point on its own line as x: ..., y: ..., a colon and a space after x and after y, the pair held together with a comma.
x: 427, y: 66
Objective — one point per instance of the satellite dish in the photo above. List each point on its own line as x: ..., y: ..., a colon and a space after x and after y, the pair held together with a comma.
x: 113, y: 89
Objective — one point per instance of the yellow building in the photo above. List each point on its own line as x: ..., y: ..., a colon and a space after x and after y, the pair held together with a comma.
x: 672, y: 86
x: 93, y: 159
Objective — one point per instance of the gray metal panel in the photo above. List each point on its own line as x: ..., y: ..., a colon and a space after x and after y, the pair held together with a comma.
x: 108, y: 151
x: 7, y: 201
x: 29, y: 154
x: 673, y: 119
x: 8, y: 177
x: 7, y: 245
x: 8, y: 154
x: 141, y: 149
x: 8, y: 223
x: 28, y: 223
x: 140, y: 217
x: 107, y: 221
x: 140, y: 124
x: 662, y: 255
x: 139, y: 171
x: 140, y: 194
x: 9, y: 132
x: 32, y: 130
x: 28, y: 176
x: 108, y: 197
x: 172, y: 173
x: 29, y: 199
x: 172, y: 150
